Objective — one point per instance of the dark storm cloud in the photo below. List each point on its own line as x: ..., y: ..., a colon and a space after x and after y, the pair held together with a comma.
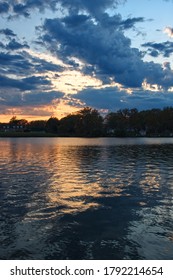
x: 10, y: 83
x: 25, y: 64
x: 25, y: 7
x: 41, y: 98
x: 95, y: 8
x: 6, y: 58
x: 4, y: 7
x: 2, y: 46
x: 116, y: 22
x: 149, y: 100
x: 159, y: 75
x: 14, y: 45
x: 36, y: 82
x: 108, y: 98
x: 109, y: 52
x: 153, y: 53
x: 29, y: 83
x: 106, y: 51
x: 91, y: 35
x: 165, y: 48
x: 7, y: 32
x: 17, y: 99
x: 75, y: 20
x: 15, y: 64
x: 41, y: 65
x: 11, y: 99
x: 21, y: 9
x: 111, y: 98
x: 15, y: 60
x: 130, y: 22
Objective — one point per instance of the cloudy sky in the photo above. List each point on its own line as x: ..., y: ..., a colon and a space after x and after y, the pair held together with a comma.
x: 58, y: 56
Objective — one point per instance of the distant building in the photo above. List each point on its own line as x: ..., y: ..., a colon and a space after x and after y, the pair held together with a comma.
x: 142, y: 132
x: 7, y: 127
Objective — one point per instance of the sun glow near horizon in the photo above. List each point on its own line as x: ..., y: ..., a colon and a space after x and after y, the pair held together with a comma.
x: 72, y: 56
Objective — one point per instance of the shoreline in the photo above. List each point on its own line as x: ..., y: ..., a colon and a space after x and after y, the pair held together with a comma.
x: 52, y: 135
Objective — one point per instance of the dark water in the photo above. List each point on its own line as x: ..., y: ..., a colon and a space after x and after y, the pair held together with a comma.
x: 86, y: 198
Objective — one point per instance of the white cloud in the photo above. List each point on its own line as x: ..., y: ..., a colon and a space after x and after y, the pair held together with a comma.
x: 169, y: 31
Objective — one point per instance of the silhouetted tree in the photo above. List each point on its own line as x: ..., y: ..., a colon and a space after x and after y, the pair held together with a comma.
x: 39, y: 125
x: 117, y: 123
x: 18, y: 122
x: 52, y: 125
x: 13, y: 120
x: 89, y: 123
x: 68, y: 125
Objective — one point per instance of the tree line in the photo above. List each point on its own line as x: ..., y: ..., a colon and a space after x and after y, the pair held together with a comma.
x: 88, y: 122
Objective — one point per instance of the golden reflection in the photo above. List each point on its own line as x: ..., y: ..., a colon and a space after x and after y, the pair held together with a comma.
x: 69, y: 176
x: 150, y: 178
x: 74, y: 186
x: 69, y: 185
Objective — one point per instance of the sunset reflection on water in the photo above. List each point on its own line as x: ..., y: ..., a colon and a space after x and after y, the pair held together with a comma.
x: 86, y: 199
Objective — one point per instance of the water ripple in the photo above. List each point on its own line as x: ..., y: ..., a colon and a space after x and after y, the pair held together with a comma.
x: 86, y: 198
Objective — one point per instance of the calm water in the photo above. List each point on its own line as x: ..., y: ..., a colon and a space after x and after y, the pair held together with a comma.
x: 78, y: 198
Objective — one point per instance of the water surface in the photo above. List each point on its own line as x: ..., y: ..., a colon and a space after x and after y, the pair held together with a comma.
x: 78, y: 198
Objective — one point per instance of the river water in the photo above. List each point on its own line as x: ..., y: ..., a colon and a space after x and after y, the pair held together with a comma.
x: 78, y: 198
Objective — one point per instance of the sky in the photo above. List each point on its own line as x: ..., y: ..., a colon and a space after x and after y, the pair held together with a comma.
x: 59, y: 56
